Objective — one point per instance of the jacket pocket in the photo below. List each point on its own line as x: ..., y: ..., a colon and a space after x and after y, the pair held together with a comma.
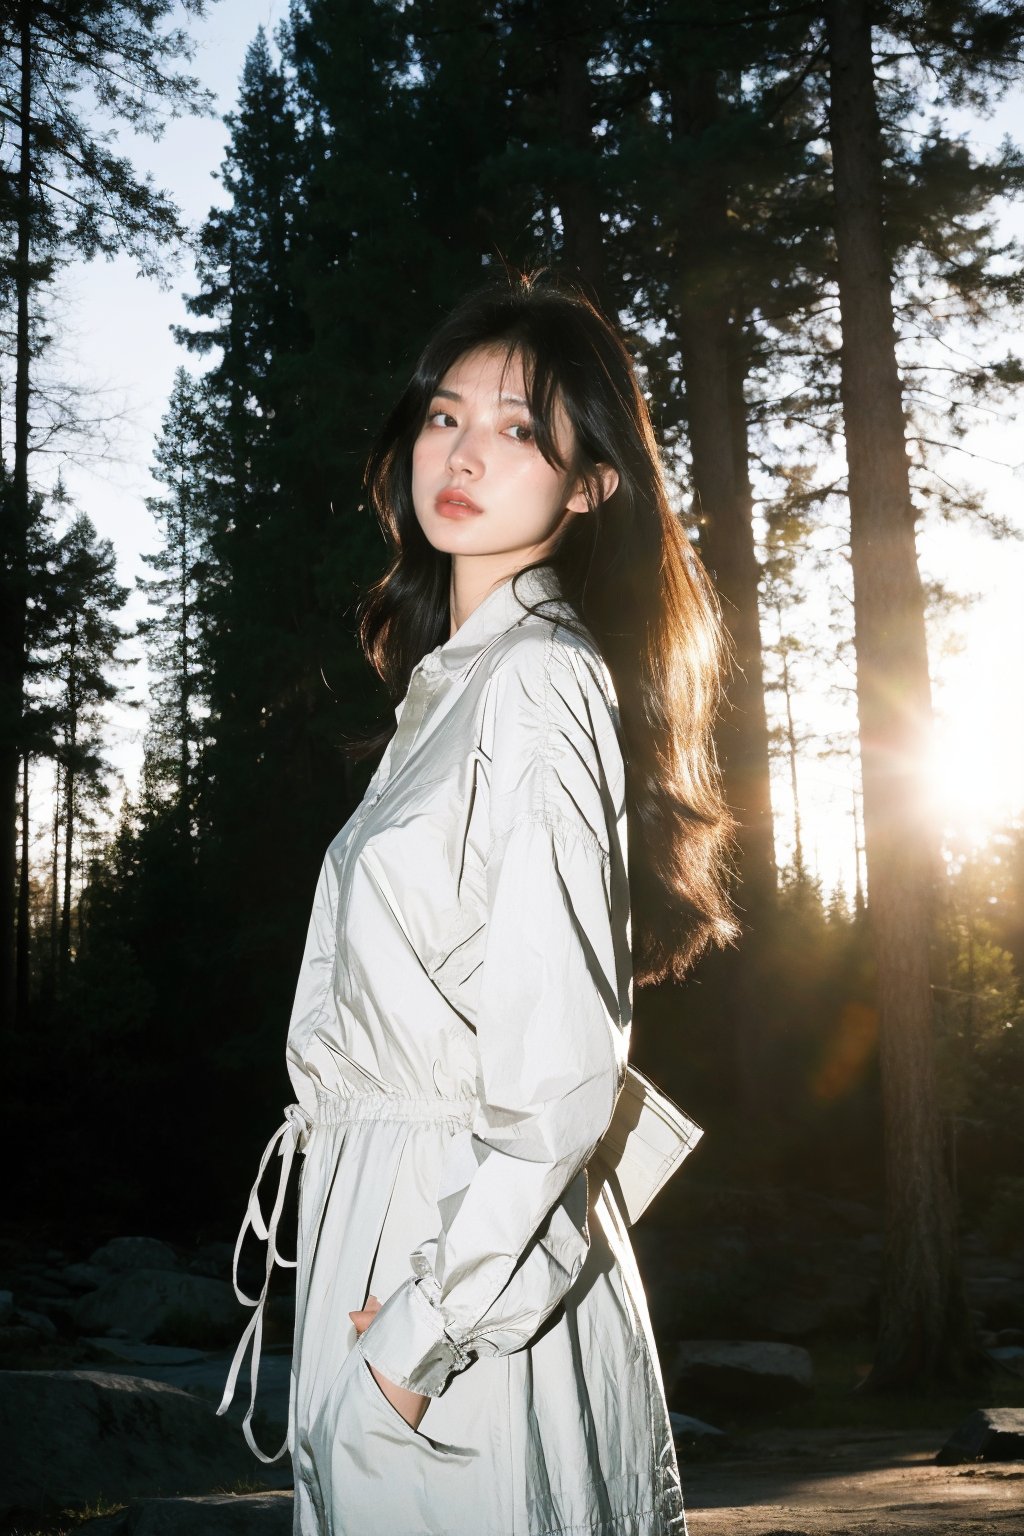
x: 376, y: 1475
x: 386, y: 1415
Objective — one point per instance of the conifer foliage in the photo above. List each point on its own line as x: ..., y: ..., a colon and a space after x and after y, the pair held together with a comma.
x: 795, y: 256
x: 66, y: 194
x: 180, y: 595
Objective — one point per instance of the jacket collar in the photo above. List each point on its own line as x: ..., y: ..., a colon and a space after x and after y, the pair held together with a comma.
x: 498, y: 612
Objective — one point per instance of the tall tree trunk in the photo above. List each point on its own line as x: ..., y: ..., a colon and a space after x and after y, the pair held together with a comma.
x: 82, y: 905
x: 14, y: 552
x: 22, y: 989
x: 721, y: 482
x: 925, y: 1328
x: 55, y: 864
x: 708, y: 318
x: 70, y: 785
x: 48, y: 972
x: 859, y: 900
x: 65, y: 908
x: 792, y: 753
x: 716, y: 418
x: 185, y: 786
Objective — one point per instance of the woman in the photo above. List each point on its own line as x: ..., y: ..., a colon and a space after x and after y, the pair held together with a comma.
x: 473, y: 1353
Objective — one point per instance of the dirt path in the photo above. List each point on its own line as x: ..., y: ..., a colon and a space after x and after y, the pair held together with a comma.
x: 809, y: 1483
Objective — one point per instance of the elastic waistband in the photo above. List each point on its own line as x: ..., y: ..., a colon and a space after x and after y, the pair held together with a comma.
x: 340, y: 1108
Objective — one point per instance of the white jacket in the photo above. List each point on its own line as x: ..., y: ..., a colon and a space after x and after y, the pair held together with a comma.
x: 457, y: 1048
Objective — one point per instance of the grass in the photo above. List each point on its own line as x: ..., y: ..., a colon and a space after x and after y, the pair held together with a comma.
x: 66, y: 1522
x: 244, y: 1485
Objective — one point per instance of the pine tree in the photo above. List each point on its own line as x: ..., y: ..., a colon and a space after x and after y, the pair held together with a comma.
x: 271, y: 621
x: 705, y: 150
x: 67, y: 193
x: 81, y: 654
x: 181, y: 593
x: 925, y: 1327
x: 335, y: 257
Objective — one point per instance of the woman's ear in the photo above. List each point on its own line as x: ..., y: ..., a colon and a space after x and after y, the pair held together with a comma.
x: 609, y: 478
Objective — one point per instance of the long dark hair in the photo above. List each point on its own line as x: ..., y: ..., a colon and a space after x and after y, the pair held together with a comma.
x: 628, y: 570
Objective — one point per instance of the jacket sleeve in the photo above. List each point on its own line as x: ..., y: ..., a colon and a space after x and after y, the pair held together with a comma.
x: 552, y: 1023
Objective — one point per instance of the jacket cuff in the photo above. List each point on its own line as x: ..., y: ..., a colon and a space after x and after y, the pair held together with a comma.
x: 408, y: 1344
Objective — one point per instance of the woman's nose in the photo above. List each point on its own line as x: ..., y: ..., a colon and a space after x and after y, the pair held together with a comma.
x: 465, y: 454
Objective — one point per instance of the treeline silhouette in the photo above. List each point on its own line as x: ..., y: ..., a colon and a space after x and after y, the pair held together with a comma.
x: 808, y: 270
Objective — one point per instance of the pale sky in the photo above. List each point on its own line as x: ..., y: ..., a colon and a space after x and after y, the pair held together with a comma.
x: 116, y: 329
x: 116, y: 335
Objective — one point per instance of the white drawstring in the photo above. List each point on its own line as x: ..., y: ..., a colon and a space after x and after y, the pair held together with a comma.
x: 289, y: 1137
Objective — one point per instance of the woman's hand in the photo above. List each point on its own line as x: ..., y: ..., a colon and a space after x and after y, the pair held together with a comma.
x: 410, y: 1405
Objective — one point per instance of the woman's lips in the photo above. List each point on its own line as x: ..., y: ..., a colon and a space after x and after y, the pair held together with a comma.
x: 451, y: 504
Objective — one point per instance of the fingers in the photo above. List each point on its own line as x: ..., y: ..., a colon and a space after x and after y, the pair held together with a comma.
x: 362, y: 1319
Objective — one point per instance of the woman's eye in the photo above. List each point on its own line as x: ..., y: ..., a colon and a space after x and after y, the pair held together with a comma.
x: 432, y: 418
x: 527, y: 432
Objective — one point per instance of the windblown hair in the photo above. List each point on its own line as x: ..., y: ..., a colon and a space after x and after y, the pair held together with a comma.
x: 629, y: 572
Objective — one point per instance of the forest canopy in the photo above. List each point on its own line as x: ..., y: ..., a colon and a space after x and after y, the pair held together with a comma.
x: 808, y: 265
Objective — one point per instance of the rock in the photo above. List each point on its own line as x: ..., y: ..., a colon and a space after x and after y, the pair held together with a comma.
x: 701, y: 1300
x: 250, y: 1514
x: 205, y: 1377
x: 72, y: 1438
x: 15, y: 1337
x: 740, y: 1373
x: 43, y: 1287
x: 688, y: 1431
x: 6, y: 1306
x: 37, y: 1322
x: 787, y: 1317
x: 162, y: 1307
x: 63, y: 1314
x: 145, y: 1354
x: 213, y: 1259
x: 1011, y: 1358
x: 833, y: 1303
x: 989, y: 1434
x: 85, y: 1277
x: 135, y: 1253
x: 59, y: 1310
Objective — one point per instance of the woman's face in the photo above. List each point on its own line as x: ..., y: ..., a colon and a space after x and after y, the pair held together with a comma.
x: 480, y: 484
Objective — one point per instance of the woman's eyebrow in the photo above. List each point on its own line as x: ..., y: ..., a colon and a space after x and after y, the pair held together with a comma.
x: 451, y: 394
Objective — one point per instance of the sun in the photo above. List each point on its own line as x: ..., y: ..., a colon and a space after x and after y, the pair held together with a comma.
x: 974, y: 769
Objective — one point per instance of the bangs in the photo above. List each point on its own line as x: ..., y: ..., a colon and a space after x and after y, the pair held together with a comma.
x: 542, y: 386
x: 544, y: 393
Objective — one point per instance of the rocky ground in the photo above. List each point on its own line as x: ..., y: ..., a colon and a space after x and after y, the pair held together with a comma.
x: 807, y: 1483
x: 112, y: 1361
